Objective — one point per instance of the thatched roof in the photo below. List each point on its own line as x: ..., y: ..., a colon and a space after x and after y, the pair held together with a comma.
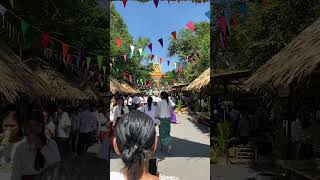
x: 294, y: 63
x: 200, y: 82
x: 115, y: 86
x: 16, y: 78
x: 128, y: 89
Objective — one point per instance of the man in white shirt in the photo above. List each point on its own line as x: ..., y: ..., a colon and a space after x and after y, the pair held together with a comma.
x: 130, y: 103
x: 63, y: 132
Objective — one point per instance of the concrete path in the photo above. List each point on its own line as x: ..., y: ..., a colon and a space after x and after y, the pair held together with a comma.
x: 190, y: 157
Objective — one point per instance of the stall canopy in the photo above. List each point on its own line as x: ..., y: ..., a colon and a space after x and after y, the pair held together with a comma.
x: 16, y: 78
x: 128, y: 89
x: 115, y: 86
x: 293, y: 64
x: 199, y: 83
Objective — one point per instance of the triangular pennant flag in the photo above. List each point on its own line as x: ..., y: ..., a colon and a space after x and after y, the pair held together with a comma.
x: 223, y: 24
x: 144, y: 55
x: 156, y: 2
x: 124, y: 3
x: 140, y: 51
x: 68, y: 60
x: 125, y: 57
x: 118, y: 41
x: 117, y: 70
x: 65, y: 49
x: 24, y: 27
x: 208, y: 14
x: 88, y: 62
x: 78, y: 60
x: 168, y: 62
x: 11, y: 3
x: 161, y: 60
x: 206, y: 49
x: 100, y: 59
x: 152, y: 56
x: 174, y: 35
x: 132, y: 50
x: 150, y: 46
x: 190, y: 26
x: 45, y: 39
x: 175, y: 65
x: 112, y: 59
x: 161, y: 42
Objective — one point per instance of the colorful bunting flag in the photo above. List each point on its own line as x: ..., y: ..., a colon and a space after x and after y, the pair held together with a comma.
x: 150, y: 46
x: 175, y: 65
x: 223, y: 24
x: 65, y: 49
x: 168, y: 62
x: 152, y: 56
x: 190, y: 26
x: 125, y: 57
x: 45, y: 40
x: 118, y: 41
x: 140, y: 51
x: 117, y: 70
x: 124, y: 3
x: 161, y: 42
x: 100, y: 59
x: 174, y: 35
x: 132, y: 50
x: 88, y: 62
x: 208, y: 14
x: 112, y: 59
x: 24, y: 27
x: 156, y: 2
x: 160, y: 60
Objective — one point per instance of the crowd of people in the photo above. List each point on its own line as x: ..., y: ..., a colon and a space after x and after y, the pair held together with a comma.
x: 50, y: 137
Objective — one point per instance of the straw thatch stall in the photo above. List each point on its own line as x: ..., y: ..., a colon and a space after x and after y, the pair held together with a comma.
x: 178, y: 87
x: 293, y: 64
x: 128, y: 89
x: 115, y: 86
x: 17, y: 79
x: 199, y: 83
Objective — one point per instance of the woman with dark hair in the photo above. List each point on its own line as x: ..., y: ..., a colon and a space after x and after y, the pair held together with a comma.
x: 120, y: 110
x: 164, y: 110
x: 11, y: 134
x: 136, y: 141
x: 150, y: 109
x: 35, y: 152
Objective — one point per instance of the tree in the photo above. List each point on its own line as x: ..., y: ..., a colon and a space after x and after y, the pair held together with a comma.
x: 192, y: 48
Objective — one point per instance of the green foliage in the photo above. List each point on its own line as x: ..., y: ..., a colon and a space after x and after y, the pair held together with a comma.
x: 120, y: 30
x: 195, y: 45
x: 214, y: 154
x: 266, y: 31
x: 223, y: 138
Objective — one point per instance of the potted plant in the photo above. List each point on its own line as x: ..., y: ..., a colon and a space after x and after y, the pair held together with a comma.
x: 222, y: 140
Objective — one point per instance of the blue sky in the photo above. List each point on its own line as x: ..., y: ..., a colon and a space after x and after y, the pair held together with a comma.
x: 145, y: 20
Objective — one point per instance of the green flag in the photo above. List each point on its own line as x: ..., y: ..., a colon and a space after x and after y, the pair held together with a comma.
x: 117, y: 70
x: 88, y: 62
x: 100, y: 58
x: 104, y: 69
x: 24, y: 27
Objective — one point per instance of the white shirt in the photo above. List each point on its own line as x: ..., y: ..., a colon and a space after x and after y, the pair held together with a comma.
x: 117, y: 113
x: 125, y: 102
x: 49, y: 127
x: 141, y: 100
x: 25, y: 155
x: 130, y: 101
x: 151, y: 113
x: 164, y: 109
x: 64, y: 121
x: 88, y: 122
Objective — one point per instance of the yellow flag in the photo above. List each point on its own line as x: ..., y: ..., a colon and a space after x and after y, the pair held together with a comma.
x: 113, y: 60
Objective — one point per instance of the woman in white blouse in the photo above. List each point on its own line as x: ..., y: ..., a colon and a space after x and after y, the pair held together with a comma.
x: 164, y: 109
x: 120, y: 110
x: 35, y: 152
x: 151, y: 110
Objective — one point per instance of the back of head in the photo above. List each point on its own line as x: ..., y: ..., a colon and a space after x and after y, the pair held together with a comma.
x: 135, y: 137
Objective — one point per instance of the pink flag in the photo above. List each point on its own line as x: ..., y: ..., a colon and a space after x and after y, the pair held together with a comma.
x: 156, y: 2
x: 223, y: 24
x: 118, y: 40
x: 150, y: 46
x: 125, y: 57
x: 45, y: 39
x: 124, y: 3
x: 152, y: 56
x: 160, y: 60
x: 191, y: 26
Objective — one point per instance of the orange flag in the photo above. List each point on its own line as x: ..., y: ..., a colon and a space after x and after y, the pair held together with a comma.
x: 160, y: 60
x: 65, y: 49
x: 174, y: 35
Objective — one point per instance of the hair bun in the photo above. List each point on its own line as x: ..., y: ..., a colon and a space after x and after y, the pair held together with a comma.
x: 132, y: 155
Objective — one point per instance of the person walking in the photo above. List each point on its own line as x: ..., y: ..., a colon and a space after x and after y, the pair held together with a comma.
x: 150, y: 109
x: 120, y: 110
x: 102, y: 125
x: 63, y: 132
x: 164, y: 109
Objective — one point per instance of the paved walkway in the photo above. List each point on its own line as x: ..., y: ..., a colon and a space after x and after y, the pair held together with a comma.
x: 190, y: 157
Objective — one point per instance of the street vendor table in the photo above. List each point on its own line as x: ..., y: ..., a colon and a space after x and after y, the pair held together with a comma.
x: 204, y: 117
x: 303, y: 168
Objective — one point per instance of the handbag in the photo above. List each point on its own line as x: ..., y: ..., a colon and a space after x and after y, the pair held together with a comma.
x: 173, y: 118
